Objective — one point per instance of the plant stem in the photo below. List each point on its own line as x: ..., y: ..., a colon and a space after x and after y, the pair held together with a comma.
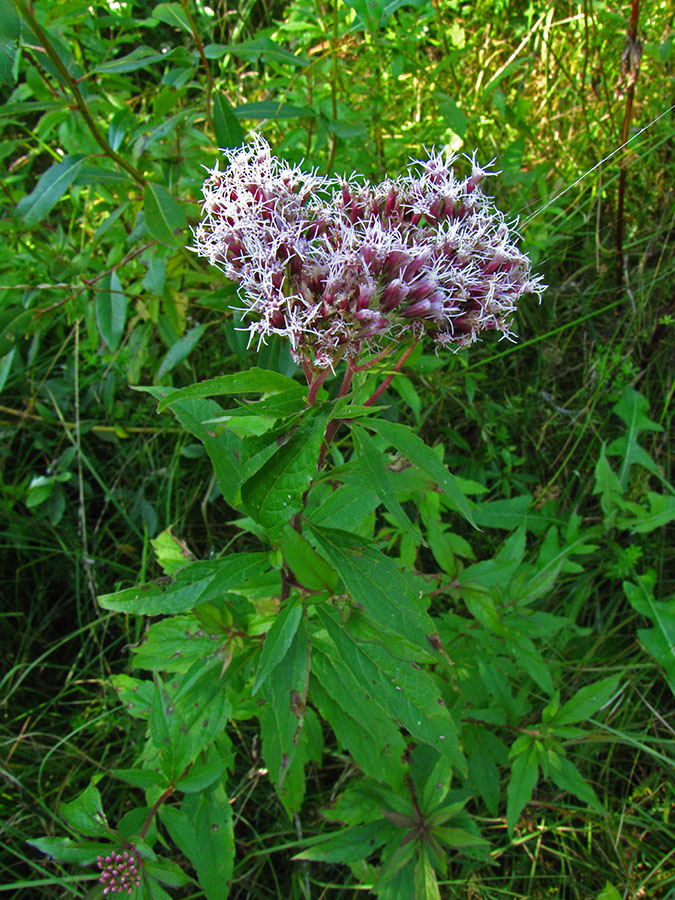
x: 631, y: 60
x: 74, y: 87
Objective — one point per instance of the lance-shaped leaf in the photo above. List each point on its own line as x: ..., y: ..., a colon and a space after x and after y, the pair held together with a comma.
x: 51, y: 186
x: 229, y: 132
x: 311, y: 570
x: 274, y: 494
x: 380, y: 479
x: 377, y: 586
x: 407, y: 695
x: 111, y: 311
x: 197, y: 584
x: 413, y: 448
x: 586, y: 702
x: 163, y: 215
x: 283, y: 717
x: 253, y: 381
x: 524, y: 775
x: 223, y: 447
x: 277, y: 641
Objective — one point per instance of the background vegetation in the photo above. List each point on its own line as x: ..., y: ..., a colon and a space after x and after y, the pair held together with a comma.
x: 110, y: 112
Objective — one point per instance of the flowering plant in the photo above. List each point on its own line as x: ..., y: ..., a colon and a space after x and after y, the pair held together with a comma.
x: 307, y: 628
x: 338, y: 264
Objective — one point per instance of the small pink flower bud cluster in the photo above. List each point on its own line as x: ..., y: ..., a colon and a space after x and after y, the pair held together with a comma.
x: 119, y: 873
x: 338, y: 264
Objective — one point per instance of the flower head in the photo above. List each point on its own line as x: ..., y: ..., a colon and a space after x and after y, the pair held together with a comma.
x: 119, y: 873
x: 338, y: 264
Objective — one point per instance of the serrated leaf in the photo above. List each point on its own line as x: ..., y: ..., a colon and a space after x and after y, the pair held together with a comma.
x: 376, y: 585
x: 229, y: 132
x: 141, y: 778
x: 201, y: 582
x: 202, y: 776
x: 223, y: 447
x: 111, y: 311
x: 275, y: 493
x: 282, y: 719
x: 163, y: 215
x: 406, y: 695
x: 586, y: 702
x: 181, y: 350
x: 414, y: 449
x: 253, y: 381
x: 524, y: 775
x: 51, y: 186
x: 277, y: 641
x: 360, y: 724
x: 211, y: 850
x: 380, y: 479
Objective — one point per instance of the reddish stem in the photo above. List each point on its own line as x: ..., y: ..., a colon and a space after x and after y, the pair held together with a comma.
x: 388, y: 380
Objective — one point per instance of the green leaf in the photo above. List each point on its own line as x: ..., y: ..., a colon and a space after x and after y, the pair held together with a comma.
x: 174, y: 644
x: 282, y: 719
x: 229, y: 132
x: 426, y: 883
x: 310, y: 569
x: 609, y: 892
x: 181, y: 350
x: 272, y: 109
x: 51, y: 186
x: 85, y: 813
x: 139, y: 58
x: 277, y: 641
x: 66, y: 850
x: 377, y: 586
x: 406, y: 695
x: 507, y: 514
x: 349, y: 845
x: 380, y: 478
x: 586, y: 702
x: 253, y: 381
x: 202, y: 775
x: 212, y: 849
x: 172, y: 553
x: 257, y: 48
x: 361, y: 726
x: 223, y: 447
x: 141, y: 778
x: 275, y: 493
x: 568, y: 778
x: 661, y: 512
x: 658, y: 641
x: 607, y: 484
x: 111, y: 311
x: 524, y: 775
x: 201, y: 582
x: 633, y: 409
x: 172, y: 14
x: 413, y: 448
x: 163, y: 215
x: 166, y: 871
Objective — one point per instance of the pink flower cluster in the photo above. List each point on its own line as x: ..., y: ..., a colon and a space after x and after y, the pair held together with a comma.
x: 338, y: 264
x: 119, y: 873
